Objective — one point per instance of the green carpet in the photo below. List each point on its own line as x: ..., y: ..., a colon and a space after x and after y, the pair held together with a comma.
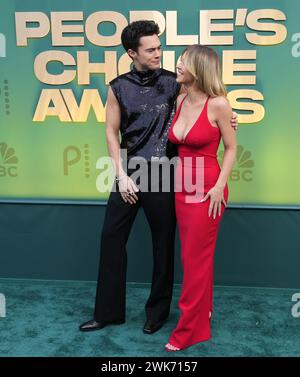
x: 42, y: 319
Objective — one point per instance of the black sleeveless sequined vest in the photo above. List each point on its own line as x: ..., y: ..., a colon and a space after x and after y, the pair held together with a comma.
x: 147, y: 102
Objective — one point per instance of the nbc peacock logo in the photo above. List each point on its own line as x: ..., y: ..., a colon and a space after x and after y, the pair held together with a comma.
x: 8, y: 161
x: 243, y: 167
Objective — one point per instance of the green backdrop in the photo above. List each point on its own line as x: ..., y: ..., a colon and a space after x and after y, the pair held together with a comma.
x: 56, y: 161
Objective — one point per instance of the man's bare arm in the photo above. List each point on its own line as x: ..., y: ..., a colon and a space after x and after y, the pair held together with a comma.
x: 113, y: 122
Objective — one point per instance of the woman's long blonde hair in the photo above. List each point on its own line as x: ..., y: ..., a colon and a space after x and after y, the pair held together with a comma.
x: 204, y: 65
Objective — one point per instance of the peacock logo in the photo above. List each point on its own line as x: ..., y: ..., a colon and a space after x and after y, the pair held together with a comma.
x: 8, y: 161
x: 243, y: 167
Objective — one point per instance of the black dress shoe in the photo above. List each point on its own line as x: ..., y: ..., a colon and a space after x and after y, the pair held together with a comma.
x: 94, y: 325
x: 152, y: 326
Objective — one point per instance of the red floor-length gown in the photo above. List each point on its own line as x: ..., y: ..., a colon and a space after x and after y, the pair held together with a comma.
x: 197, y: 231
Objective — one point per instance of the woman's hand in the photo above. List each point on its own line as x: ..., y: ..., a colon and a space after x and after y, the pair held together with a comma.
x: 216, y: 200
x: 128, y: 190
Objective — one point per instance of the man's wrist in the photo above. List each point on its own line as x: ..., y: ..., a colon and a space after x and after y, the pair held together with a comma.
x: 120, y: 177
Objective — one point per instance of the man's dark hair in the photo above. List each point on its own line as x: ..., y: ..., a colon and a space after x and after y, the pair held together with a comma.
x: 133, y: 32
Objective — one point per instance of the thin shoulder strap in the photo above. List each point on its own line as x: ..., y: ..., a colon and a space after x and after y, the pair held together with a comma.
x: 206, y: 101
x: 181, y: 103
x: 205, y: 105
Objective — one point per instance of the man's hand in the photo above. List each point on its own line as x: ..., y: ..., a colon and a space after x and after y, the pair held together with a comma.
x: 234, y: 121
x: 128, y: 190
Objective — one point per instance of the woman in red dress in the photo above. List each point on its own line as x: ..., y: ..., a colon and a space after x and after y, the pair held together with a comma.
x: 202, y: 119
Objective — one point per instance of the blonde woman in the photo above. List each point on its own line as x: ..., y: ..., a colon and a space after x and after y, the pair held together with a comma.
x: 201, y: 121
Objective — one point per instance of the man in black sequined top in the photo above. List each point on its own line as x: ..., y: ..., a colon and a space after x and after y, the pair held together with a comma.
x: 146, y: 100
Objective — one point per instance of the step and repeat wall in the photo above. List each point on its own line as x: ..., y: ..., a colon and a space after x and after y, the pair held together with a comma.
x: 56, y: 61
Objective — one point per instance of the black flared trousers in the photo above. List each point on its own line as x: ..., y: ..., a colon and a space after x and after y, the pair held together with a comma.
x: 159, y: 208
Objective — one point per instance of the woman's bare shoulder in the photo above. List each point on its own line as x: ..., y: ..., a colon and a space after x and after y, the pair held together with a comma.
x: 219, y: 103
